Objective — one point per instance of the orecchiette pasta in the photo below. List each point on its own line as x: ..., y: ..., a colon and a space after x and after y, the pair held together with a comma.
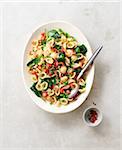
x: 44, y: 85
x: 55, y: 61
x: 38, y: 86
x: 63, y: 69
x: 63, y: 101
x: 82, y: 90
x: 49, y: 60
x: 56, y: 90
x: 42, y: 75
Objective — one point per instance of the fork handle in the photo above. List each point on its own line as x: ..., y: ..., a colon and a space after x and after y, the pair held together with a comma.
x: 92, y: 58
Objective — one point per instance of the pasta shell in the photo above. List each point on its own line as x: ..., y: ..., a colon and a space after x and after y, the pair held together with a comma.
x: 76, y: 65
x: 64, y: 78
x: 49, y: 60
x: 67, y: 61
x: 63, y: 38
x: 34, y: 78
x: 63, y: 69
x: 38, y: 86
x: 51, y: 42
x: 74, y: 85
x: 70, y: 99
x: 63, y: 101
x: 44, y: 85
x: 58, y: 104
x: 42, y: 75
x: 71, y: 80
x: 82, y: 90
x: 69, y: 53
x: 72, y: 75
x: 57, y: 90
x: 74, y: 58
x: 70, y: 44
x: 50, y: 92
x: 70, y: 70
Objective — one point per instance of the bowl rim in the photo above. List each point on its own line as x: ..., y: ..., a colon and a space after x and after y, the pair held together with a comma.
x: 100, y: 116
x: 22, y: 67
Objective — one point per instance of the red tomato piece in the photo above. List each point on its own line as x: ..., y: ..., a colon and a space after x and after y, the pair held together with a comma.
x: 56, y: 63
x: 43, y: 36
x: 44, y: 94
x: 62, y: 90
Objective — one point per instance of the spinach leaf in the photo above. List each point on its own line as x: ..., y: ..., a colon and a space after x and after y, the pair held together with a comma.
x: 53, y: 33
x: 33, y: 88
x: 66, y: 83
x: 83, y: 86
x: 43, y: 42
x: 34, y: 61
x: 61, y: 57
x: 58, y: 47
x: 63, y: 95
x: 81, y: 49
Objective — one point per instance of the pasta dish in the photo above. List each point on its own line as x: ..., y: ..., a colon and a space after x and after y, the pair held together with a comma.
x: 55, y: 60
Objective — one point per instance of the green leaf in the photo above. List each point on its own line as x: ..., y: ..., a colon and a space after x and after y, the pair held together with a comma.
x: 33, y: 88
x: 63, y: 95
x: 58, y: 47
x: 43, y: 42
x: 81, y: 49
x: 53, y: 33
x: 34, y: 61
x: 61, y: 57
x: 83, y: 86
x: 66, y: 83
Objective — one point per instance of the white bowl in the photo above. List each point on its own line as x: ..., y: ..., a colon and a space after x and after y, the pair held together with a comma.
x: 87, y: 121
x: 74, y: 31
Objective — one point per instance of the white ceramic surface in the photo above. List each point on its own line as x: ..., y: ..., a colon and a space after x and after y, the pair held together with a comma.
x: 74, y: 31
x: 99, y: 117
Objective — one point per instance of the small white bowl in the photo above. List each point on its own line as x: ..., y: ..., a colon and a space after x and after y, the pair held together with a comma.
x: 71, y: 29
x: 87, y: 121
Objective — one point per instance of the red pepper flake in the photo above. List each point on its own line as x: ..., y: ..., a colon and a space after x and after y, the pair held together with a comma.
x: 92, y: 116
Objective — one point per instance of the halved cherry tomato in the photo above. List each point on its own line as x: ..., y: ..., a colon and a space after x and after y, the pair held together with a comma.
x: 56, y: 63
x: 44, y: 94
x: 34, y: 73
x: 49, y: 65
x: 46, y: 71
x: 61, y: 90
x: 39, y: 67
x: 43, y: 36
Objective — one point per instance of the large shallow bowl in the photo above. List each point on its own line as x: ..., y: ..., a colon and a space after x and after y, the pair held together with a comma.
x: 74, y: 31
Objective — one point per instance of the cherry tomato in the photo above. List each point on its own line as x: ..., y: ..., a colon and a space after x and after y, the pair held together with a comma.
x: 44, y: 94
x: 49, y: 65
x: 56, y: 63
x: 39, y: 67
x: 62, y: 90
x: 43, y: 36
x: 34, y: 73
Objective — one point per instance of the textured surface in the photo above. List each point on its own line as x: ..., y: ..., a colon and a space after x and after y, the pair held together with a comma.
x: 23, y: 124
